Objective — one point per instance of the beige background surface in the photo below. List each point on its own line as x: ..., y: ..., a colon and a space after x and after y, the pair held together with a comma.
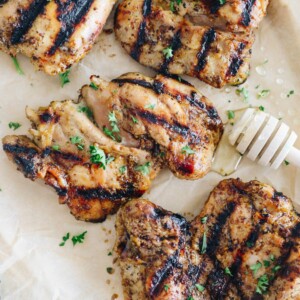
x: 32, y: 265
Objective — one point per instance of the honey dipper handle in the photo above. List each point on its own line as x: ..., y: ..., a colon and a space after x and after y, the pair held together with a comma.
x: 293, y: 157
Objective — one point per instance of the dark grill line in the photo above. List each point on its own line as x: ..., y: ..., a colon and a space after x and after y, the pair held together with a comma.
x: 175, y: 45
x: 246, y: 15
x: 26, y: 20
x: 136, y: 51
x: 102, y: 194
x: 154, y: 119
x: 213, y: 5
x: 208, y: 38
x: 236, y: 61
x: 17, y: 150
x: 71, y: 14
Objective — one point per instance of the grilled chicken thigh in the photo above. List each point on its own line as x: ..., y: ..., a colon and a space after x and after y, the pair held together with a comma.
x: 243, y: 245
x: 161, y: 114
x: 91, y: 173
x: 54, y: 34
x: 172, y: 42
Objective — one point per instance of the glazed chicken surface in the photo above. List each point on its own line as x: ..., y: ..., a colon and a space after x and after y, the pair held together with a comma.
x: 91, y: 173
x: 244, y: 244
x: 203, y: 39
x: 162, y: 115
x: 54, y: 34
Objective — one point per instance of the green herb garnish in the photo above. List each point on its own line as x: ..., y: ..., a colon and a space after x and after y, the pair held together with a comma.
x: 166, y: 287
x: 230, y: 114
x: 86, y: 110
x: 93, y: 86
x: 290, y: 93
x: 64, y: 78
x: 14, y: 125
x: 168, y: 52
x: 144, y: 169
x: 256, y: 267
x: 77, y: 140
x: 262, y: 284
x: 17, y: 65
x: 244, y: 93
x: 187, y: 150
x: 263, y: 94
x: 204, y: 220
x: 151, y: 106
x: 78, y: 238
x: 134, y: 120
x: 204, y: 243
x: 64, y: 238
x: 228, y: 272
x: 123, y: 169
x: 56, y: 147
x: 98, y: 156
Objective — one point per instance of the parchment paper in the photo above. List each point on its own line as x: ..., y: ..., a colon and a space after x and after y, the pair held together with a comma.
x: 32, y: 223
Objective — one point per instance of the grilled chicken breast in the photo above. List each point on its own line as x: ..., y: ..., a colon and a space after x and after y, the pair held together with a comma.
x: 162, y: 115
x: 91, y: 173
x: 54, y: 34
x: 243, y: 245
x: 168, y: 41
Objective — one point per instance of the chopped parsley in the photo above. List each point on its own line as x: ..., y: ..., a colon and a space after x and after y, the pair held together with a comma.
x: 190, y: 298
x: 93, y: 86
x: 17, y: 65
x: 109, y: 159
x: 134, y: 120
x: 262, y: 284
x: 85, y: 110
x: 204, y: 220
x: 109, y: 253
x: 78, y: 238
x: 187, y: 150
x: 77, y: 140
x: 55, y: 147
x: 64, y: 78
x: 286, y: 162
x: 263, y: 94
x: 114, y: 127
x: 144, y: 169
x: 228, y: 272
x: 256, y: 267
x: 166, y: 287
x: 249, y: 244
x: 222, y: 2
x: 230, y: 114
x: 110, y: 270
x: 64, y: 238
x: 14, y: 125
x: 168, y: 52
x: 151, y: 106
x: 290, y: 93
x: 172, y: 4
x: 272, y: 257
x: 204, y: 243
x: 98, y: 156
x: 243, y: 93
x: 123, y: 169
x: 275, y: 269
x: 267, y: 263
x: 262, y: 108
x: 199, y: 287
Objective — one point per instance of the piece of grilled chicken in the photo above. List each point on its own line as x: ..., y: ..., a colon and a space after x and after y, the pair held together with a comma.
x: 161, y: 114
x: 54, y: 34
x: 91, y: 173
x: 245, y: 244
x: 169, y: 42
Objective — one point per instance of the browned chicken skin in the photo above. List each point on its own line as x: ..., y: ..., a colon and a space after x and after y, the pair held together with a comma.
x: 160, y: 114
x: 91, y: 173
x: 54, y: 34
x: 188, y: 37
x: 243, y: 245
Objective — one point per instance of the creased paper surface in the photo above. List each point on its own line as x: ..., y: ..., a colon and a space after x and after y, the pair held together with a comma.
x: 32, y: 223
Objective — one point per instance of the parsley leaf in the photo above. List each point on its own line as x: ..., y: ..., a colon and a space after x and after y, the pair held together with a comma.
x: 151, y: 106
x: 77, y: 140
x: 187, y: 150
x: 228, y: 272
x: 93, y: 86
x: 17, y: 65
x: 64, y: 238
x: 204, y: 220
x: 64, y: 77
x: 144, y: 169
x: 230, y: 114
x: 166, y: 287
x: 55, y: 147
x: 199, y: 287
x: 267, y: 263
x: 14, y: 125
x: 243, y: 93
x: 204, y: 243
x: 123, y: 169
x: 286, y: 162
x: 262, y: 108
x: 222, y: 2
x: 262, y: 284
x: 134, y: 120
x: 110, y: 270
x: 98, y: 156
x: 256, y: 267
x: 86, y: 110
x: 263, y: 94
x: 114, y: 127
x: 78, y: 238
x: 290, y: 93
x: 168, y: 52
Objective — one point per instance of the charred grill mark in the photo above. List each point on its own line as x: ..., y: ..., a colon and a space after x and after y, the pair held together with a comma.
x: 175, y: 45
x: 60, y: 191
x: 213, y: 5
x: 27, y: 166
x: 156, y: 86
x: 246, y: 15
x: 217, y: 283
x: 103, y: 194
x: 141, y: 37
x: 236, y: 61
x: 48, y: 117
x: 296, y: 231
x: 252, y: 238
x: 17, y: 150
x: 27, y: 17
x: 154, y: 119
x: 213, y: 241
x: 66, y: 155
x: 71, y: 14
x: 208, y: 38
x: 160, y: 275
x: 3, y: 2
